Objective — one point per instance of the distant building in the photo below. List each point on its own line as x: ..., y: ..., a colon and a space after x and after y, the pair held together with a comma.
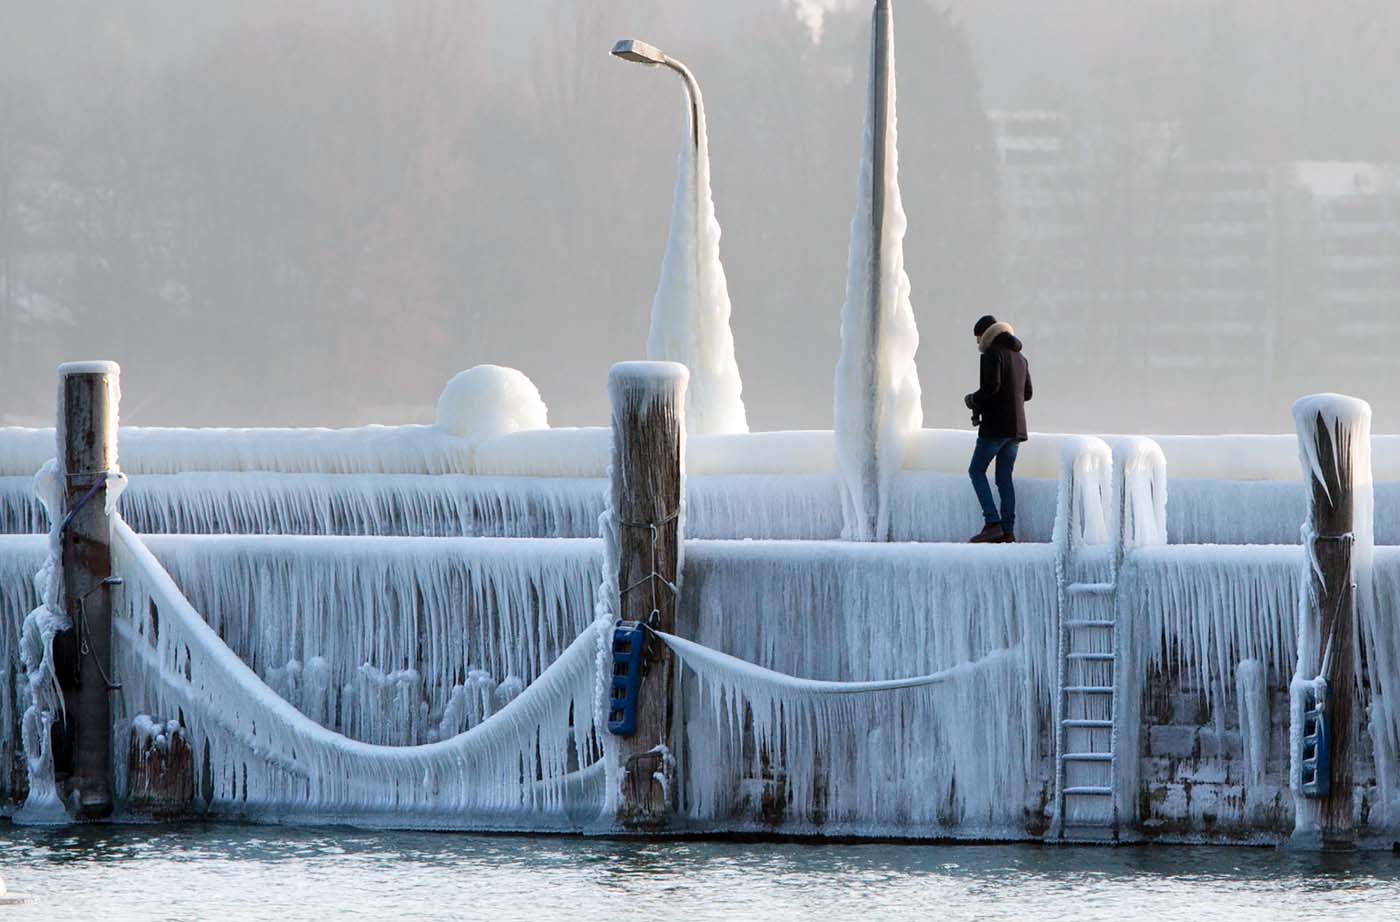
x: 1348, y: 274
x: 1233, y: 285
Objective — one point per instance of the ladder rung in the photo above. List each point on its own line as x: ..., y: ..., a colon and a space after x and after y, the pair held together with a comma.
x: 1092, y: 622
x: 1095, y: 791
x: 1088, y: 757
x: 1089, y: 588
x: 1090, y: 689
x: 1081, y: 722
x: 1091, y: 657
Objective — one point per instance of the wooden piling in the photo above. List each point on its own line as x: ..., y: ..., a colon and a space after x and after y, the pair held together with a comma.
x: 87, y: 450
x: 160, y: 772
x: 648, y: 431
x: 1331, y: 497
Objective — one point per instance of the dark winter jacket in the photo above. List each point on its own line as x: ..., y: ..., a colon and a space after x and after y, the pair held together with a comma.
x: 1004, y: 389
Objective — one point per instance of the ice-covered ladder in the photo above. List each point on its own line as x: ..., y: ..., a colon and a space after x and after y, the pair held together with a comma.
x: 1088, y: 774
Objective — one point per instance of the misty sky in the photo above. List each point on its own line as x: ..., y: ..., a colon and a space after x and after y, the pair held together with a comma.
x: 316, y: 213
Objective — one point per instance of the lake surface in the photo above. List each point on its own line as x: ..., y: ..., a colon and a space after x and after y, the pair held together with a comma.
x: 97, y: 874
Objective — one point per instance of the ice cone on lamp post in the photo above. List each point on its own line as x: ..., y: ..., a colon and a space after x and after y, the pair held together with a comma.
x: 877, y: 383
x: 690, y: 311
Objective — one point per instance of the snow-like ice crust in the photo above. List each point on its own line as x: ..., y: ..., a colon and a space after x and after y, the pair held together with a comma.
x: 877, y: 403
x: 45, y: 698
x: 583, y: 452
x: 690, y: 312
x: 488, y: 401
x: 99, y: 367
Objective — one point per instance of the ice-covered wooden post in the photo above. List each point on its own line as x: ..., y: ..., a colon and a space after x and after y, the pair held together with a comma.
x: 160, y: 770
x: 87, y: 450
x: 648, y: 432
x: 1334, y: 441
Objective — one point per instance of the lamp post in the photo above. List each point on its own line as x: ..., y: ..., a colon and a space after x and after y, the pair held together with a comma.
x: 631, y: 49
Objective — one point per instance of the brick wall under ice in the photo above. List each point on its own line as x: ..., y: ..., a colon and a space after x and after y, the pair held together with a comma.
x: 1195, y: 778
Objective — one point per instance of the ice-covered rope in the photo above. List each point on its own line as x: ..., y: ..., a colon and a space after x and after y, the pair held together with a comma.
x: 261, y: 756
x: 714, y: 662
x: 924, y: 752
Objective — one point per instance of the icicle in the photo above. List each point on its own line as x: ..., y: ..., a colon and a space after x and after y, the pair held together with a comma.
x: 867, y: 756
x: 1252, y: 695
x: 1202, y: 610
x: 20, y: 558
x: 260, y: 757
x: 353, y: 608
x: 354, y: 504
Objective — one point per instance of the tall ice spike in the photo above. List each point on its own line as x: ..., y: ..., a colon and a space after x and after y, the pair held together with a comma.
x: 877, y: 384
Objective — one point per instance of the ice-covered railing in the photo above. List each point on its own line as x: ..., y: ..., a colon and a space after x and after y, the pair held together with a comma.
x: 583, y: 452
x: 526, y: 767
x: 551, y: 482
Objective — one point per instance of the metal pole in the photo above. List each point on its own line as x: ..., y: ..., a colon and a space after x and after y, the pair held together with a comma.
x: 692, y: 92
x: 881, y: 67
x: 87, y: 450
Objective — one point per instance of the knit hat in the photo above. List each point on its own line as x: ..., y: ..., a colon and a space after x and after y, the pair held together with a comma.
x: 980, y: 326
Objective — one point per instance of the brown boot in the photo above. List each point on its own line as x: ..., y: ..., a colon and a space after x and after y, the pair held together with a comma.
x: 992, y: 534
x: 1007, y: 537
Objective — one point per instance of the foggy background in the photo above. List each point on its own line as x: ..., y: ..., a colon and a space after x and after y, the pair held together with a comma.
x: 314, y: 213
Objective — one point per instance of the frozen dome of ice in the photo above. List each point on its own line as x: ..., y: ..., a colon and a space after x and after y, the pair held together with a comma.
x: 490, y: 400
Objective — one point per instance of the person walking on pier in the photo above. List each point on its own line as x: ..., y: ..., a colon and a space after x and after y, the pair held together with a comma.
x: 999, y: 413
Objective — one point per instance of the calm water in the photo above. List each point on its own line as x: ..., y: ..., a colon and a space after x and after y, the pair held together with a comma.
x: 230, y: 873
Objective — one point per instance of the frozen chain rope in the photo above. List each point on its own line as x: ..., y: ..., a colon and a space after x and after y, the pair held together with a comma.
x: 262, y: 757
x: 860, y: 755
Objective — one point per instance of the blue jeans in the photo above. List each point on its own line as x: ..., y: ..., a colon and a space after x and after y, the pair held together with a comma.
x: 1004, y: 450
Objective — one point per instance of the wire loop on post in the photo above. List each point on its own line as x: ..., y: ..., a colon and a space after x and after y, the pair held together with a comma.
x: 654, y: 577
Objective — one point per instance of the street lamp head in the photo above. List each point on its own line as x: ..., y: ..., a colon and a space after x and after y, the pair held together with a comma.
x: 631, y: 49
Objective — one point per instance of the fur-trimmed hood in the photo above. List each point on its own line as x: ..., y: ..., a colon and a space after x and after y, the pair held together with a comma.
x: 999, y: 330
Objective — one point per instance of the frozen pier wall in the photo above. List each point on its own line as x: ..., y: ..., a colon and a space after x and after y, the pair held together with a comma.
x: 911, y: 687
x: 410, y: 642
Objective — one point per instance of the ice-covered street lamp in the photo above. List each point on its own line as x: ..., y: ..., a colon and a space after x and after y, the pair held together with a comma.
x: 690, y: 312
x: 631, y: 49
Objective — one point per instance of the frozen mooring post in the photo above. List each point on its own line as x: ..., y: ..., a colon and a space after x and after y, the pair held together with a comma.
x: 1334, y: 443
x: 644, y: 540
x: 88, y: 393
